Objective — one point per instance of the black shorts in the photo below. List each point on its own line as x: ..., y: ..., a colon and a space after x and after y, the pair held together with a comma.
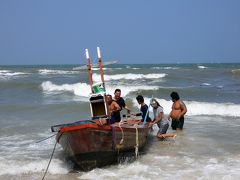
x: 177, y: 124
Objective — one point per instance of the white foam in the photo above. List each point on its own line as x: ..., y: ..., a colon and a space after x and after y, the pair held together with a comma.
x: 128, y: 76
x: 206, y: 84
x: 21, y: 154
x: 83, y: 89
x: 14, y: 167
x: 202, y: 67
x: 163, y: 167
x: 52, y: 71
x: 97, y: 69
x: 201, y: 108
x: 134, y: 170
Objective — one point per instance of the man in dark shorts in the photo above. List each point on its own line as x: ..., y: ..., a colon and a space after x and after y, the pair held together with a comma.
x: 177, y: 124
x: 121, y: 102
x: 179, y: 109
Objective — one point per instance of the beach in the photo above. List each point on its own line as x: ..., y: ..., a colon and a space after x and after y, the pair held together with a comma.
x: 34, y: 98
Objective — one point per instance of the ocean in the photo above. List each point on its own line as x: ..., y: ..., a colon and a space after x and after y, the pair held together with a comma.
x: 33, y: 98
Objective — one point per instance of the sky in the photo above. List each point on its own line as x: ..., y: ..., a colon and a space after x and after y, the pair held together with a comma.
x: 129, y: 31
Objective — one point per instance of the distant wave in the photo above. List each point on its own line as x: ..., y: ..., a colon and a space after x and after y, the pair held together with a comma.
x: 129, y: 67
x: 128, y: 76
x: 202, y: 67
x: 83, y: 89
x: 206, y: 84
x: 6, y: 74
x: 202, y: 108
x: 52, y: 71
x: 165, y: 68
x: 97, y: 69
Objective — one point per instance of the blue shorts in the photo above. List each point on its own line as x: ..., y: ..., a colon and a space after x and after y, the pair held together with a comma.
x: 163, y: 128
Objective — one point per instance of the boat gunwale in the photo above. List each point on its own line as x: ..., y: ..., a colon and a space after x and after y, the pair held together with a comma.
x: 104, y: 127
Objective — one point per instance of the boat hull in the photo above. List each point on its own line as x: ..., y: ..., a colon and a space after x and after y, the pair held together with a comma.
x: 90, y: 145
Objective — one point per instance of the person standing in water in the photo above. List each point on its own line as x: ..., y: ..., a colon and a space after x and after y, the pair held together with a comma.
x: 143, y: 108
x: 179, y: 109
x: 162, y: 123
x: 113, y: 110
x: 121, y: 102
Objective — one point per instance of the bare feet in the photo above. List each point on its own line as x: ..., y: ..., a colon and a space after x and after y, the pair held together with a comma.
x: 163, y: 136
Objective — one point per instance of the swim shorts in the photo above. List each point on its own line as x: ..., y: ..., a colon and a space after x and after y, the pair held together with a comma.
x: 177, y: 124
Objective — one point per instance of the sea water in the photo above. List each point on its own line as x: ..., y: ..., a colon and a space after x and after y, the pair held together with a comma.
x: 33, y: 98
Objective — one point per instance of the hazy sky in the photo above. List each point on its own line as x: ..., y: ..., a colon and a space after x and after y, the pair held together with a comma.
x: 130, y: 31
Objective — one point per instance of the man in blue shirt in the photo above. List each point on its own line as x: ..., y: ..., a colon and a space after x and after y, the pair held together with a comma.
x: 143, y: 109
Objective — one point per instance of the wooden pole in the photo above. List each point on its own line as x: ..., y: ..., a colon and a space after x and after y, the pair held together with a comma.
x: 102, y: 78
x: 100, y: 65
x: 89, y: 69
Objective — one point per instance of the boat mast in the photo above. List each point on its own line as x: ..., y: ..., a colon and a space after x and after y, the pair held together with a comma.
x: 89, y: 69
x: 100, y: 65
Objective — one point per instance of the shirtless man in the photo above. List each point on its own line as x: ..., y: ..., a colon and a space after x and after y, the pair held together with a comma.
x: 179, y: 109
x: 113, y: 109
x: 121, y: 102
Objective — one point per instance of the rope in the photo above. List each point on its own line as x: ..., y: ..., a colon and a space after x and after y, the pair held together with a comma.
x: 122, y: 133
x: 51, y: 157
x: 45, y: 138
x: 137, y: 141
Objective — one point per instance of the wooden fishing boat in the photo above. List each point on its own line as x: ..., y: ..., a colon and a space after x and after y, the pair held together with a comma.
x: 96, y: 143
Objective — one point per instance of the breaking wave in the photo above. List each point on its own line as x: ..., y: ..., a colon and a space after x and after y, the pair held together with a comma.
x: 201, y: 108
x: 129, y: 76
x: 80, y: 89
x: 236, y: 71
x: 83, y: 89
